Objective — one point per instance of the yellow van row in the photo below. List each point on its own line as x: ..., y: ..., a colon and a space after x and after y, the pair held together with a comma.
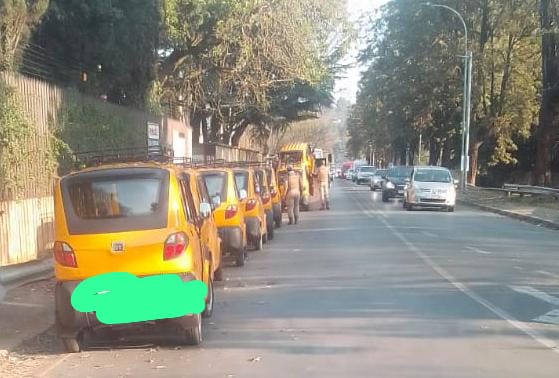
x: 151, y: 219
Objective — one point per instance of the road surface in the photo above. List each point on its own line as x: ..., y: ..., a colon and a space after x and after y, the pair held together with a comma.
x: 366, y: 290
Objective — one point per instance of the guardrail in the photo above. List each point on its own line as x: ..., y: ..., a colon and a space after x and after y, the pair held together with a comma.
x: 522, y: 190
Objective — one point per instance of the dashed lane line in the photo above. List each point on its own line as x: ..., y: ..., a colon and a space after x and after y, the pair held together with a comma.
x: 521, y: 326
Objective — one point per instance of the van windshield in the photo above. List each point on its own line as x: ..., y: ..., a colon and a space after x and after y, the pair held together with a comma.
x: 433, y: 175
x: 241, y: 179
x: 116, y: 200
x: 217, y: 186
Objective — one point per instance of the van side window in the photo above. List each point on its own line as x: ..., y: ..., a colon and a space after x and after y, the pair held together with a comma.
x: 203, y: 190
x: 186, y: 194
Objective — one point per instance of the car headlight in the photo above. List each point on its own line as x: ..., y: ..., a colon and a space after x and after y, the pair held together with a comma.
x: 390, y: 185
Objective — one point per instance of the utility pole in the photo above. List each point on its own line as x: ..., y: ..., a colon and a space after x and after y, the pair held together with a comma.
x: 466, y: 109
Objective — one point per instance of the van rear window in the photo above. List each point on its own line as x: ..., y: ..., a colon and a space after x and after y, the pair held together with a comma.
x: 116, y: 200
x: 217, y: 186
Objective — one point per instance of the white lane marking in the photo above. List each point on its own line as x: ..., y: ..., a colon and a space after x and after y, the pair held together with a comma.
x: 541, y: 295
x: 324, y: 230
x: 534, y: 334
x: 22, y: 304
x: 477, y: 250
x: 552, y: 317
x: 545, y: 273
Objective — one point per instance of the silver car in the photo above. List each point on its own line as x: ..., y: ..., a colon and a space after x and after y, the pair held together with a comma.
x: 377, y: 180
x: 430, y: 187
x: 364, y: 173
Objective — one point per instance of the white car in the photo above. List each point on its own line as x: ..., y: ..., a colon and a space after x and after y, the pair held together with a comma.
x: 364, y: 174
x: 431, y: 187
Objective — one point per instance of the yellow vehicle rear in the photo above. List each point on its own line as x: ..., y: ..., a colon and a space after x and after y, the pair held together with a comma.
x: 135, y: 218
x: 276, y: 196
x: 255, y: 216
x: 228, y: 213
x: 264, y: 190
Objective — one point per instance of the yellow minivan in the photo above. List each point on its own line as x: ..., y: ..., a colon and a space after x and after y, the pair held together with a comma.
x: 229, y: 212
x: 138, y: 218
x: 276, y: 195
x: 255, y: 216
x: 263, y: 188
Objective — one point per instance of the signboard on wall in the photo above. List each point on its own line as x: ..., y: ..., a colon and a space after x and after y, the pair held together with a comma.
x: 153, y: 131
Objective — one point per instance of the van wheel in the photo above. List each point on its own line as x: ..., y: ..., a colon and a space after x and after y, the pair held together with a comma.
x: 208, y: 311
x: 193, y: 336
x: 372, y: 188
x: 271, y: 231
x: 241, y: 256
x: 385, y: 197
x: 450, y: 209
x: 218, y: 274
x: 405, y: 205
x: 72, y: 345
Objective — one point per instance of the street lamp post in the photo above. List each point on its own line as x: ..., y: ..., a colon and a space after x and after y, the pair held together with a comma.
x: 468, y: 57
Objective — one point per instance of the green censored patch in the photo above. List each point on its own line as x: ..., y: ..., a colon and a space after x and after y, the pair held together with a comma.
x: 119, y: 298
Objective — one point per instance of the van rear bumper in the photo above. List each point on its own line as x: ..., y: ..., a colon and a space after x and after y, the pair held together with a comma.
x: 70, y: 323
x: 231, y: 239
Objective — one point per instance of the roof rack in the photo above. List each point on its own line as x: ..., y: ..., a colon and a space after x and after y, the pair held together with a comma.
x: 94, y: 158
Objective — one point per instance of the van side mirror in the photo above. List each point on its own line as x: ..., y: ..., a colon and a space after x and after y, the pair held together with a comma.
x: 205, y: 210
x: 243, y: 194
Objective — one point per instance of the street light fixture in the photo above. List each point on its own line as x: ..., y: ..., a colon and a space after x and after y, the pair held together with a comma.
x: 466, y: 109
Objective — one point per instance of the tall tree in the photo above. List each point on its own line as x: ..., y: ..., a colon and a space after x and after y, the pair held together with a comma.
x: 17, y: 20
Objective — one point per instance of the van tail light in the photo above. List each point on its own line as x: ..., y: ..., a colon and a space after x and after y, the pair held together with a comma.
x: 266, y: 198
x: 175, y: 245
x: 251, y: 204
x: 64, y: 255
x: 231, y: 211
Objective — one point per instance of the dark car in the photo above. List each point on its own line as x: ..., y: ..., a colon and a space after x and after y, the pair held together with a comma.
x: 395, y: 182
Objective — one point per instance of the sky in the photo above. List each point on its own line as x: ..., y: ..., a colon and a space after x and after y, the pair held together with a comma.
x: 347, y: 87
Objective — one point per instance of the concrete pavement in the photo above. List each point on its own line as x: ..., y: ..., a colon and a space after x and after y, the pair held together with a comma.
x: 367, y: 289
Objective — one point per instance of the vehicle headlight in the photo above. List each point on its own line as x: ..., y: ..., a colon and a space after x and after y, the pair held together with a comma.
x: 390, y: 185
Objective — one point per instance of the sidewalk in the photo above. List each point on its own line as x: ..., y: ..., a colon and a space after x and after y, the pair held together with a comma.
x: 20, y: 274
x: 540, y: 210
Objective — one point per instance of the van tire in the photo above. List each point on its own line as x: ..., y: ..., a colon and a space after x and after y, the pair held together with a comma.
x: 240, y: 257
x: 208, y: 311
x: 271, y: 231
x: 193, y: 336
x: 385, y: 197
x: 71, y: 345
x: 218, y: 275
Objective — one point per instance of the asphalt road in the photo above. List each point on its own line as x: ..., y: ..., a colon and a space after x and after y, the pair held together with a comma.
x: 370, y: 290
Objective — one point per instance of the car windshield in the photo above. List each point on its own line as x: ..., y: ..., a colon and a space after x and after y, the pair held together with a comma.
x: 367, y: 169
x: 380, y: 172
x: 432, y: 175
x: 217, y: 186
x: 400, y: 172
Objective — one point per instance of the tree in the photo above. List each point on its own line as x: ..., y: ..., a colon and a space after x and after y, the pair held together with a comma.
x: 17, y: 20
x: 413, y: 85
x: 114, y: 43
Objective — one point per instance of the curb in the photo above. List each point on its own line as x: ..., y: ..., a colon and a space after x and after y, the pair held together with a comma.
x: 525, y: 218
x: 19, y: 274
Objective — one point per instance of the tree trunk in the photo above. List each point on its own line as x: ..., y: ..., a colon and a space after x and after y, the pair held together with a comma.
x: 238, y: 133
x: 542, y: 174
x: 446, y: 159
x: 434, y: 152
x: 474, y: 162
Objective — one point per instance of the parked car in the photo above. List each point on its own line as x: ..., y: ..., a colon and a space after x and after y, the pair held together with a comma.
x: 349, y: 174
x: 263, y: 189
x: 229, y: 212
x: 431, y: 187
x: 395, y: 182
x: 255, y: 216
x: 276, y: 196
x: 376, y: 181
x: 136, y: 218
x: 364, y: 173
